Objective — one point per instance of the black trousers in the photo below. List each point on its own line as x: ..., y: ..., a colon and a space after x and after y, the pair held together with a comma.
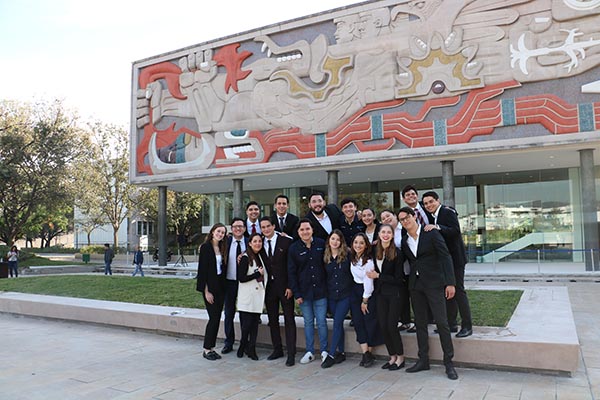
x: 460, y: 302
x: 405, y: 299
x: 272, y: 301
x: 249, y: 325
x: 231, y: 289
x: 434, y: 298
x: 365, y: 325
x: 388, y: 311
x: 214, y: 319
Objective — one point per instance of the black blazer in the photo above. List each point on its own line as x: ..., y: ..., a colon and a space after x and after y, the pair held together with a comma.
x: 433, y: 262
x: 334, y: 214
x: 391, y: 276
x: 291, y: 225
x: 277, y: 265
x: 207, y: 271
x: 450, y: 230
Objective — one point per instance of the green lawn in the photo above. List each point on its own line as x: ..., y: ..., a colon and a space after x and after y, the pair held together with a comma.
x: 489, y: 307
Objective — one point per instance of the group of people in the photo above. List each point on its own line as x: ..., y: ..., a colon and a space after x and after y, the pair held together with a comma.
x: 339, y: 260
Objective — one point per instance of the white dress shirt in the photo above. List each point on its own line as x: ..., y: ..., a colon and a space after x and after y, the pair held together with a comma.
x: 232, y: 259
x: 359, y: 273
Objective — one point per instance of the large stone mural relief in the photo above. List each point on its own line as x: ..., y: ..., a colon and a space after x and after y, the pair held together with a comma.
x: 348, y: 90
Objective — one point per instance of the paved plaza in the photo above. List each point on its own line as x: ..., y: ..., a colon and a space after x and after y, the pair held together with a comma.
x: 47, y: 359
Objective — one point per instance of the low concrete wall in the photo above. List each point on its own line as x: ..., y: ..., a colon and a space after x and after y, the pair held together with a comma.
x: 541, y: 336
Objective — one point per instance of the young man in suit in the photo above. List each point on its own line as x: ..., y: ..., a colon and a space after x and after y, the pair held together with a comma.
x: 283, y: 221
x: 445, y: 220
x: 324, y: 218
x: 278, y: 291
x: 350, y: 224
x: 431, y: 283
x: 253, y: 215
x: 411, y: 199
x: 236, y: 245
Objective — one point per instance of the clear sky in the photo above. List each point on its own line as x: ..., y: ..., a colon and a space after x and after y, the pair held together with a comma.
x: 81, y: 51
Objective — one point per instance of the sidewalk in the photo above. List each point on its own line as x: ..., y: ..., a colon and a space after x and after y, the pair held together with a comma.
x: 62, y: 360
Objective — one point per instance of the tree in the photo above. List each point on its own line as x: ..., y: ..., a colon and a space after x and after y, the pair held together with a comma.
x: 39, y: 143
x: 105, y: 177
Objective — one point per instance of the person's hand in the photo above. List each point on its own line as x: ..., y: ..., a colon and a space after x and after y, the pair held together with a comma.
x: 373, y: 274
x: 210, y: 299
x: 429, y: 227
x: 450, y: 291
x: 364, y: 308
x: 261, y: 270
x: 288, y: 293
x: 299, y: 300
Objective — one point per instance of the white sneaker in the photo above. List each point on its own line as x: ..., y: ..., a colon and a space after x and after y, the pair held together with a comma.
x: 308, y: 357
x: 324, y: 355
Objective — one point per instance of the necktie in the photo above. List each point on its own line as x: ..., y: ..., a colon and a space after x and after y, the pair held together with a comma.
x: 253, y: 228
x: 281, y: 224
x: 270, y: 250
x: 238, y: 250
x: 419, y: 217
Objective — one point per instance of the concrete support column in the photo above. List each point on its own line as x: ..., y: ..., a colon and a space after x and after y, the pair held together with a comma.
x: 162, y: 226
x: 332, y: 186
x: 448, y: 182
x: 588, y: 208
x: 238, y: 198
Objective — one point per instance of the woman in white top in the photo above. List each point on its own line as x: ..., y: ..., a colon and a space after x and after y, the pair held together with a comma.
x: 13, y: 258
x: 362, y: 302
x: 252, y: 276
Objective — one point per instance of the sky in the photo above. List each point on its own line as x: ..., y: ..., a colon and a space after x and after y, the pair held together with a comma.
x: 81, y: 51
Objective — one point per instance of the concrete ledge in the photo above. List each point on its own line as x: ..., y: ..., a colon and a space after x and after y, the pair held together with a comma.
x: 541, y: 335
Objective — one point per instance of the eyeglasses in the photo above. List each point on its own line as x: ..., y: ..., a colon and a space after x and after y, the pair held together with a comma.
x: 407, y: 218
x: 237, y: 226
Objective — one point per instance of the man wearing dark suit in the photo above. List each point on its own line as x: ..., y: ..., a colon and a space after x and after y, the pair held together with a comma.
x: 431, y: 283
x: 252, y: 222
x: 445, y: 220
x: 324, y: 218
x: 350, y: 224
x: 278, y: 291
x: 238, y: 228
x: 283, y: 221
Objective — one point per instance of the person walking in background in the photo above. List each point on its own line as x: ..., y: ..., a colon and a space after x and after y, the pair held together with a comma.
x: 138, y: 261
x: 13, y: 261
x: 109, y: 254
x: 212, y: 269
x: 253, y: 277
x: 339, y: 288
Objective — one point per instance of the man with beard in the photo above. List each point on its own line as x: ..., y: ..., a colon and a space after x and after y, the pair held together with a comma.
x: 324, y: 218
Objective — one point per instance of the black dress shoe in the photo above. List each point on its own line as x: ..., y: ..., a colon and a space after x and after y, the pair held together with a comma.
x: 291, y: 360
x: 211, y: 355
x: 420, y: 365
x: 451, y: 372
x: 396, y: 367
x: 464, y: 332
x: 368, y: 359
x: 275, y: 355
x: 240, y: 351
x: 386, y: 365
x: 251, y: 353
x: 453, y: 329
x: 227, y: 349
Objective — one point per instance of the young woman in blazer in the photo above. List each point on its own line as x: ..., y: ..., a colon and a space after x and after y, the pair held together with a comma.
x: 252, y: 276
x: 390, y: 285
x: 371, y: 224
x: 212, y: 265
x: 339, y: 288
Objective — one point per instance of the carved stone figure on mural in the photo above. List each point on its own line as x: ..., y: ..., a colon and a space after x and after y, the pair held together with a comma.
x: 296, y: 98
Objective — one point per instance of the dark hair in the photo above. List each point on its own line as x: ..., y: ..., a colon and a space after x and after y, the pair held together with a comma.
x: 408, y: 188
x: 235, y: 219
x: 252, y: 203
x: 316, y: 194
x: 343, y: 251
x: 250, y: 253
x: 366, y: 254
x: 304, y: 220
x: 388, y: 253
x: 407, y: 210
x: 106, y: 245
x: 222, y: 242
x: 265, y: 218
x: 282, y: 196
x: 431, y: 193
x: 348, y: 200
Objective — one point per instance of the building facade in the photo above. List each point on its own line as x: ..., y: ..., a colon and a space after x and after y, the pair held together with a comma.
x: 496, y: 105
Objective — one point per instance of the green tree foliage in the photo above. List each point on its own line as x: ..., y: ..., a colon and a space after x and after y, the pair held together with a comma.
x: 39, y: 144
